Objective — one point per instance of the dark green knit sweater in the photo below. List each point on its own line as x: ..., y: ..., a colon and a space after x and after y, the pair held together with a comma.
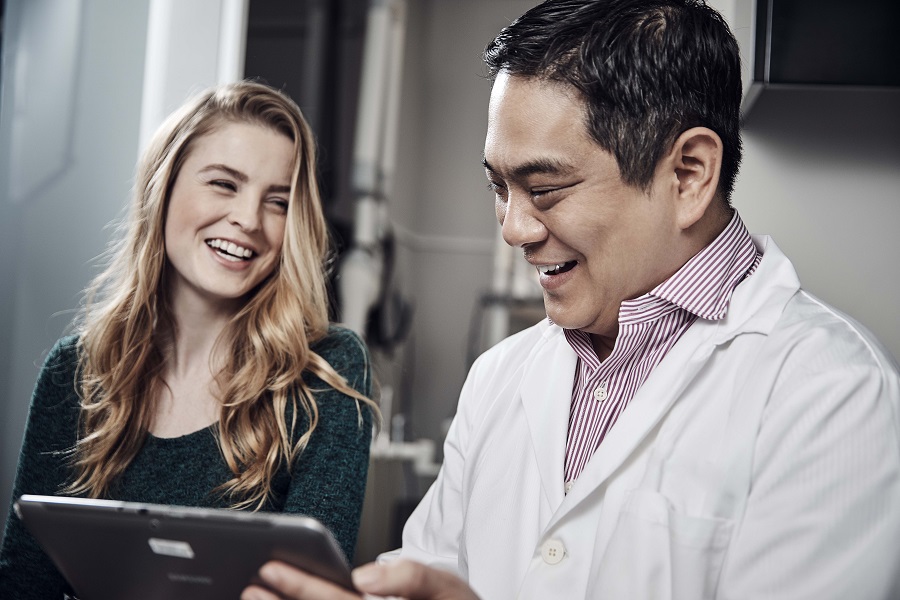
x: 326, y: 482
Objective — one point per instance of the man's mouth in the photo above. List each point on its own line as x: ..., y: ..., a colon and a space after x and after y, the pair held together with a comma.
x: 230, y: 250
x: 557, y: 268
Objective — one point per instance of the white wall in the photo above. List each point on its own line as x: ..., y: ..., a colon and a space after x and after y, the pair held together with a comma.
x: 55, y: 224
x: 441, y: 201
x: 821, y: 174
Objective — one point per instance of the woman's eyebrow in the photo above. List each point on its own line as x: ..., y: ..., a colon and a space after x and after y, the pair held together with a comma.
x: 231, y: 171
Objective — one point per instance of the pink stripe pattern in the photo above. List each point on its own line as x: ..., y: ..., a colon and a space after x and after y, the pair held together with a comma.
x: 649, y: 326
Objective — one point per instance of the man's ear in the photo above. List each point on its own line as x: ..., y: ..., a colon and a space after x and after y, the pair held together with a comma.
x: 696, y: 156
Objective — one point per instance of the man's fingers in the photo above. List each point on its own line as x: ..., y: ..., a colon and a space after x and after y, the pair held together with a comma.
x: 294, y: 584
x: 411, y: 580
x: 254, y: 592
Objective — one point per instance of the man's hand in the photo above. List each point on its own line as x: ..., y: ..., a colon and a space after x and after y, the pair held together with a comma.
x: 411, y: 580
x: 285, y: 581
x: 402, y: 578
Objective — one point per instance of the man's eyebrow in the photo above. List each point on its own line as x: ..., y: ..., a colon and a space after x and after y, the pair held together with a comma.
x: 538, y: 166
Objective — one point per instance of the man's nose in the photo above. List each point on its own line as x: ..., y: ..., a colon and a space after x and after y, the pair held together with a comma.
x: 519, y: 222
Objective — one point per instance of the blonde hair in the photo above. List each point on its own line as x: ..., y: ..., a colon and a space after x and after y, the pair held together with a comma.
x: 126, y: 320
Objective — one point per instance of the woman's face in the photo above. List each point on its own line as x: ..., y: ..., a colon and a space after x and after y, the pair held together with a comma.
x: 226, y: 215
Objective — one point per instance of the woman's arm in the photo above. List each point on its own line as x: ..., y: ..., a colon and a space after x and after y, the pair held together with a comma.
x: 329, y: 477
x: 26, y: 572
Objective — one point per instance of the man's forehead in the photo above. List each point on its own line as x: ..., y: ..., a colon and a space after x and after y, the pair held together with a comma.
x: 506, y: 83
x: 534, y: 126
x: 522, y: 106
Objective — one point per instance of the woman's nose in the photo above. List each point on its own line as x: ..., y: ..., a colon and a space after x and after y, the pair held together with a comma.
x: 245, y: 213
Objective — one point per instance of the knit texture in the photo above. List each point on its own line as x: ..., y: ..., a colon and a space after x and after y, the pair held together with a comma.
x: 327, y: 481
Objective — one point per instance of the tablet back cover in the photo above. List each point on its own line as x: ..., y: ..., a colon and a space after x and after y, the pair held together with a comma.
x: 110, y: 550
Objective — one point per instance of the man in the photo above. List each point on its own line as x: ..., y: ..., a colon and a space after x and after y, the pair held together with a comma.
x: 689, y: 423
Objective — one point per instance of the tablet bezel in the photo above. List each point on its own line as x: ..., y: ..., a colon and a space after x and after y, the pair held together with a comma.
x: 109, y: 549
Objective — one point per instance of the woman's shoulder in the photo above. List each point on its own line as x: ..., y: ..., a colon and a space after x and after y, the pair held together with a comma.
x: 68, y: 343
x: 57, y: 380
x: 347, y: 354
x: 63, y: 355
x: 340, y: 346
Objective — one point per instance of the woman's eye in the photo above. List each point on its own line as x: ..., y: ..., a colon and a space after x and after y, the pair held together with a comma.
x: 279, y: 204
x: 224, y: 184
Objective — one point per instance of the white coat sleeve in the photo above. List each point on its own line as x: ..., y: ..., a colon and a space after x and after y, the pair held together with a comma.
x: 432, y: 533
x: 822, y: 519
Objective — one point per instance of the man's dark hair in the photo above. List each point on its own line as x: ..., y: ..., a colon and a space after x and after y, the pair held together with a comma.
x: 647, y: 70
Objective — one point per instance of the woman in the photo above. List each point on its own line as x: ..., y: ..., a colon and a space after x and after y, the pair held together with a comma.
x: 204, y: 370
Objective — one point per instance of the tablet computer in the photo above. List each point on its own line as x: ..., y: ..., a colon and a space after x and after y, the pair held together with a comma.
x: 110, y: 550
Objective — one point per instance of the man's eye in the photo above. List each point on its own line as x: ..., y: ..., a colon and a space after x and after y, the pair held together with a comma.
x: 536, y: 192
x: 548, y: 196
x: 496, y: 188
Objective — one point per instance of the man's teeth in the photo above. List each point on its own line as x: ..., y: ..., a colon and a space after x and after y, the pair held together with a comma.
x: 555, y: 269
x: 230, y: 250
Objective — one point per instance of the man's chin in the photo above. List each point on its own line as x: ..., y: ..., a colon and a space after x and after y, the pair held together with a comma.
x: 567, y: 320
x: 562, y: 319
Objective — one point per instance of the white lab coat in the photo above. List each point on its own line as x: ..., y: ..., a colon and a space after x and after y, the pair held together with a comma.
x: 761, y: 459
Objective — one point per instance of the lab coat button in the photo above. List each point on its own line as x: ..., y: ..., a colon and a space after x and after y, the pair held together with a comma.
x: 552, y: 551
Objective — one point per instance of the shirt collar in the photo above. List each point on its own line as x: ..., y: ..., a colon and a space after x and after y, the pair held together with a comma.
x: 704, y: 285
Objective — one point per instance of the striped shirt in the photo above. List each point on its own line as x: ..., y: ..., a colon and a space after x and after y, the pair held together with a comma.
x: 648, y: 328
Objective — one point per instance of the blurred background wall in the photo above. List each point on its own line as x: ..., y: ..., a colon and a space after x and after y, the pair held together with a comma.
x: 72, y: 79
x: 821, y: 174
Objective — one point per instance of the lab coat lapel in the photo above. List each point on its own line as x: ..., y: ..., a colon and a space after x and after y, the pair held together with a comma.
x: 546, y: 392
x: 646, y: 409
x: 756, y: 306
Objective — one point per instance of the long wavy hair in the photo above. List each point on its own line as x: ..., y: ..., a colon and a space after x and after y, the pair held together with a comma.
x: 125, y: 322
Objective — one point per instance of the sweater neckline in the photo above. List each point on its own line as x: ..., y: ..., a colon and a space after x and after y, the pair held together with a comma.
x: 182, y: 439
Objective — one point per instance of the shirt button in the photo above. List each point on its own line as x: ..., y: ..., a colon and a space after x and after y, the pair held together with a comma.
x: 552, y: 551
x: 600, y: 393
x: 569, y: 485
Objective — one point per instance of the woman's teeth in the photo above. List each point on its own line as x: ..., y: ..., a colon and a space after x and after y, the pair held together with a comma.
x: 230, y: 250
